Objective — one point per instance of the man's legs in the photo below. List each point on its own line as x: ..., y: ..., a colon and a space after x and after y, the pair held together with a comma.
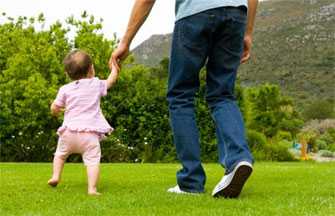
x: 223, y: 61
x: 188, y: 55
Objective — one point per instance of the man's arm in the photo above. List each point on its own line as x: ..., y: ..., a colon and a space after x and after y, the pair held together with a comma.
x: 140, y: 12
x: 252, y: 8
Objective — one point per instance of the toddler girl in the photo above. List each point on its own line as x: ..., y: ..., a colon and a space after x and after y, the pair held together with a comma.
x: 84, y: 124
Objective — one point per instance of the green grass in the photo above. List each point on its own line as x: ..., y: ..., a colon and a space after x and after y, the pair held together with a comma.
x: 139, y: 189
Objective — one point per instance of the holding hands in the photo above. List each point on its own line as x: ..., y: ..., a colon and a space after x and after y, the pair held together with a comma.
x: 119, y: 54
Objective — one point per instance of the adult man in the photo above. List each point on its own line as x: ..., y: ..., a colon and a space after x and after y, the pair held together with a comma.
x: 218, y: 34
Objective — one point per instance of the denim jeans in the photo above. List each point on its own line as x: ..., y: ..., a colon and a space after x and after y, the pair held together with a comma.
x: 213, y: 38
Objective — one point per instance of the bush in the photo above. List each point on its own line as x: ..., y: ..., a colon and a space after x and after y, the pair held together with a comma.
x: 319, y: 109
x: 284, y: 135
x: 326, y: 153
x: 278, y: 152
x: 321, y: 144
x: 331, y: 147
x: 275, y: 152
x: 268, y: 152
x: 256, y: 140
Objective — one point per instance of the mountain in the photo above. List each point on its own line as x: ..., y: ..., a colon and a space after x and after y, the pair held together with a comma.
x: 294, y: 46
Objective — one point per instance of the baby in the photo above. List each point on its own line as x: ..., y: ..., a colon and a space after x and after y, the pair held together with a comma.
x: 84, y: 124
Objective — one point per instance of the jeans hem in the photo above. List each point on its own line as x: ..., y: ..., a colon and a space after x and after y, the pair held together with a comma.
x: 192, y: 191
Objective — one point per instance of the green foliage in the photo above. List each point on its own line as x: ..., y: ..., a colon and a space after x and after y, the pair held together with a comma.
x: 319, y: 109
x: 284, y: 135
x: 326, y: 153
x: 256, y: 140
x: 30, y: 65
x: 272, y: 112
x: 278, y: 152
x: 326, y: 141
x: 138, y: 110
x: 32, y: 72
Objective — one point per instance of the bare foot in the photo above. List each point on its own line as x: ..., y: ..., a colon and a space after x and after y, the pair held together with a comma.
x: 94, y: 193
x: 53, y: 182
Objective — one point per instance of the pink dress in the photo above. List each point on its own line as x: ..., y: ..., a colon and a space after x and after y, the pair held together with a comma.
x: 81, y: 100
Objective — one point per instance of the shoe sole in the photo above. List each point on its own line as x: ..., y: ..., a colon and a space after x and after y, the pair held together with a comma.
x: 234, y: 189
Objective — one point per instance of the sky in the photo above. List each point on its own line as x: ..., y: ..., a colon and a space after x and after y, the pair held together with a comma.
x: 115, y: 14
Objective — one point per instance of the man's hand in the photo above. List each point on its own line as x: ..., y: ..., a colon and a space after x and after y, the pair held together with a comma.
x: 121, y: 52
x: 140, y: 12
x: 252, y: 7
x: 247, y: 49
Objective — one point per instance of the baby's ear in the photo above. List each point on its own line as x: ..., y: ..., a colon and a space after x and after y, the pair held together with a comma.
x: 92, y: 68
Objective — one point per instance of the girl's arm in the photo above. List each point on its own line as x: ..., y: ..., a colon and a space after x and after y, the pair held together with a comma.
x: 112, y: 78
x: 55, y: 110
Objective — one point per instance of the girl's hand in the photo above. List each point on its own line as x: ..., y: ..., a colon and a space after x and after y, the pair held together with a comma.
x: 114, y: 74
x: 55, y: 110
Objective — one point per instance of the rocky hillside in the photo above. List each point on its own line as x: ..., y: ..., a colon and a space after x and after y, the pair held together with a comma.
x: 294, y: 46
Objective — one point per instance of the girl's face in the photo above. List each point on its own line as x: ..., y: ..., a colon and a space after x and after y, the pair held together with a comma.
x: 91, y: 73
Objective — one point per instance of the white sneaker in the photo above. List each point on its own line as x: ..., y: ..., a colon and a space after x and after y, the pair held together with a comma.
x: 176, y: 189
x: 231, y: 185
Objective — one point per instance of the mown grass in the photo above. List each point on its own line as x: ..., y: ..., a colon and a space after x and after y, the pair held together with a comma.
x: 140, y: 189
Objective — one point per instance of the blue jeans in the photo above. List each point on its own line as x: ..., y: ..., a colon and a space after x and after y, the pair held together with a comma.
x: 213, y: 38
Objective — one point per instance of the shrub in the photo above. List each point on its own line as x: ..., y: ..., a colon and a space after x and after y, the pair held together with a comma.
x: 269, y: 152
x: 278, y: 152
x: 326, y: 153
x: 319, y: 109
x: 256, y: 140
x: 283, y: 135
x: 321, y: 144
x: 331, y: 147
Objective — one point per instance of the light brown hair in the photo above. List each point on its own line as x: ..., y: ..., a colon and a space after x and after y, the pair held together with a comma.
x: 77, y: 64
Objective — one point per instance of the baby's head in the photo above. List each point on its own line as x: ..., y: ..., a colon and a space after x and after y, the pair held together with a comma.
x: 78, y: 65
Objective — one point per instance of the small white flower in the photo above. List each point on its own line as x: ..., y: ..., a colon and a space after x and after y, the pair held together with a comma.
x: 13, y: 136
x: 145, y: 138
x: 20, y: 133
x: 145, y: 143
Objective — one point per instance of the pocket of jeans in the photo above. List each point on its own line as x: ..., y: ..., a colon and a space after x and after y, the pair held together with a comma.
x: 238, y: 14
x: 191, y: 32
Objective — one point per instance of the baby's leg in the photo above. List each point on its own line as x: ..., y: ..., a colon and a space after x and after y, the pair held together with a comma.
x: 58, y: 164
x: 91, y: 153
x: 93, y: 172
x: 62, y: 152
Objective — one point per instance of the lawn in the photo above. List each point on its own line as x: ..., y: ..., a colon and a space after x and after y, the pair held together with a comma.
x: 140, y: 189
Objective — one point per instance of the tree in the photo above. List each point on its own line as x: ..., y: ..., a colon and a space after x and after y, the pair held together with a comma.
x: 272, y: 112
